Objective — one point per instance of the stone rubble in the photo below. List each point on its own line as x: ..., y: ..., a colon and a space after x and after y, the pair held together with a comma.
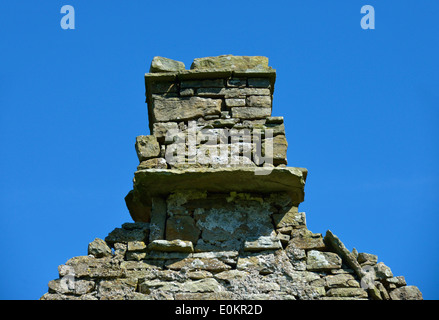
x: 215, y: 230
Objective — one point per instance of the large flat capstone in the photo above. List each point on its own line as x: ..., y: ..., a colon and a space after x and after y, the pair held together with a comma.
x: 161, y: 182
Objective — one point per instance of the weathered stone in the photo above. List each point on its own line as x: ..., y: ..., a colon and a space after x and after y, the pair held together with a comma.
x: 306, y: 240
x: 231, y: 62
x: 199, y: 274
x: 259, y: 82
x: 367, y: 258
x: 235, y: 102
x: 334, y: 242
x: 250, y: 112
x: 347, y: 293
x: 147, y: 147
x: 160, y: 181
x: 187, y: 92
x: 262, y: 263
x: 71, y: 285
x: 182, y: 227
x: 289, y: 217
x: 136, y: 245
x: 231, y: 275
x: 382, y: 271
x: 343, y: 280
x: 161, y: 64
x: 158, y: 219
x: 161, y: 129
x: 208, y: 264
x: 91, y: 267
x: 320, y: 261
x: 117, y: 289
x: 209, y: 83
x: 99, y: 248
x: 406, y: 293
x: 237, y: 82
x: 163, y: 87
x: 155, y: 163
x: 280, y: 146
x: 263, y: 243
x: 203, y: 285
x: 179, y: 109
x: 171, y: 246
x: 395, y: 282
x: 139, y: 211
x: 259, y: 101
x: 383, y: 292
x: 140, y: 269
x: 148, y: 286
x: 222, y: 295
x: 138, y: 231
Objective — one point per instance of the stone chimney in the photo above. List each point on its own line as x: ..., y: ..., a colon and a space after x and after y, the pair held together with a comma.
x: 215, y: 207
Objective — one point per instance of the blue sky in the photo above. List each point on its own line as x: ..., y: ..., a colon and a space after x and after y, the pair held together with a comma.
x: 360, y: 107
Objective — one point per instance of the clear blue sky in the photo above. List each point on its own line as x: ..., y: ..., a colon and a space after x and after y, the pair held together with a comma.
x: 360, y: 107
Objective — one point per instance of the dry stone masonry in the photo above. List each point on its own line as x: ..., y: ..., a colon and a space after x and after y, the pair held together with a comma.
x: 215, y: 208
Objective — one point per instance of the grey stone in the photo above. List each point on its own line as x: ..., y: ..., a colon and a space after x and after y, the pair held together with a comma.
x: 259, y: 101
x: 147, y: 147
x: 180, y: 109
x: 250, y: 112
x: 406, y: 293
x: 320, y: 261
x: 158, y: 219
x: 155, y: 163
x: 259, y: 82
x: 334, y: 242
x: 99, y: 248
x: 161, y: 64
x: 171, y: 246
x: 231, y: 62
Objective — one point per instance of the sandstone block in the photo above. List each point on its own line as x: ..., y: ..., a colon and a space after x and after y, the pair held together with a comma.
x: 161, y: 64
x: 259, y: 101
x: 207, y: 264
x: 182, y: 227
x: 147, y: 147
x: 171, y: 246
x: 155, y: 163
x: 347, y: 293
x: 99, y: 248
x: 231, y: 62
x: 259, y: 82
x: 321, y: 261
x: 250, y: 112
x: 406, y: 293
x: 180, y: 109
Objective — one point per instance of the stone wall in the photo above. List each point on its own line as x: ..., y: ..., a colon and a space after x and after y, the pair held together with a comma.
x: 212, y: 225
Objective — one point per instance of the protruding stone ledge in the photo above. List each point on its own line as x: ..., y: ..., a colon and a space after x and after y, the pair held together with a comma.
x: 161, y: 182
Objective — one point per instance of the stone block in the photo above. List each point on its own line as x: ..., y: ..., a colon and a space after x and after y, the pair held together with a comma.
x: 250, y: 112
x: 154, y: 163
x: 147, y: 147
x: 208, y: 83
x: 322, y: 261
x: 158, y: 219
x: 182, y: 227
x: 237, y: 82
x: 406, y: 293
x: 259, y: 101
x: 171, y: 246
x: 259, y: 82
x: 180, y: 109
x: 161, y: 64
x: 99, y: 248
x: 235, y: 102
x: 231, y: 62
